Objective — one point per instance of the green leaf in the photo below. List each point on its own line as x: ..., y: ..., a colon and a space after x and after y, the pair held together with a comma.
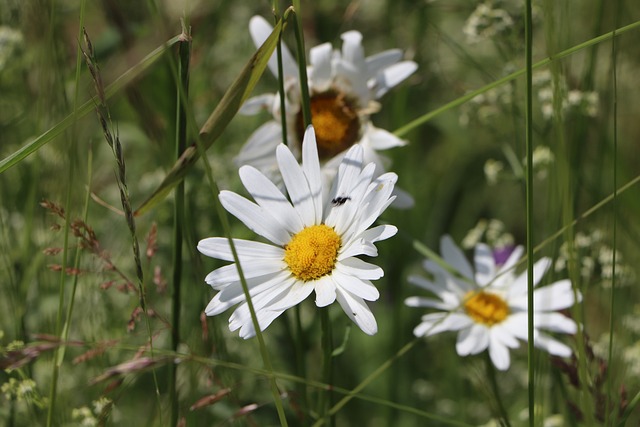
x: 217, y: 122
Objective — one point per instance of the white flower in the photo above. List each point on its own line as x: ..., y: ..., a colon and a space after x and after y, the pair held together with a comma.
x: 489, y: 306
x: 315, y: 240
x: 343, y: 89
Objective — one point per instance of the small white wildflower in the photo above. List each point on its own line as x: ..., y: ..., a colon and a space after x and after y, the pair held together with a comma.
x: 492, y: 170
x: 84, y: 416
x: 100, y: 404
x: 10, y: 41
x: 25, y: 388
x: 485, y: 22
x: 474, y: 235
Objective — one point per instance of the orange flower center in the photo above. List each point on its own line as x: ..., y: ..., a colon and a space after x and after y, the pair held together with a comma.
x: 335, y: 121
x: 486, y: 308
x: 312, y: 253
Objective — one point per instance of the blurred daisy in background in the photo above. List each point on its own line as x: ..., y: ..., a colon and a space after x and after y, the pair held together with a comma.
x: 344, y: 87
x: 488, y: 306
x: 315, y: 239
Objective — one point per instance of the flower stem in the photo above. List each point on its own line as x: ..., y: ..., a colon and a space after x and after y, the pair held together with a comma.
x: 182, y: 89
x: 528, y: 42
x: 491, y: 375
x: 327, y: 347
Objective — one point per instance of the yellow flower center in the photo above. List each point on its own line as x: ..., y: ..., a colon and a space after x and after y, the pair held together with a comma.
x: 312, y: 253
x: 484, y: 307
x: 335, y: 121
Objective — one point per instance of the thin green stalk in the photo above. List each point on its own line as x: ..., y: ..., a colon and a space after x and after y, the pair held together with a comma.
x: 375, y: 374
x: 528, y: 32
x: 302, y: 63
x: 491, y: 375
x: 300, y: 344
x: 61, y: 291
x: 324, y: 400
x: 283, y: 110
x: 59, y: 353
x: 182, y: 91
x: 404, y: 130
x: 614, y: 72
x: 226, y: 226
x: 113, y: 140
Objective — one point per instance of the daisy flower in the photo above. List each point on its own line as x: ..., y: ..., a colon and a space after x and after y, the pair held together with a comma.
x: 489, y: 306
x: 315, y: 239
x: 343, y: 88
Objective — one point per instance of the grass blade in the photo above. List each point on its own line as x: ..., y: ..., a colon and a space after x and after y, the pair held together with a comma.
x: 235, y: 96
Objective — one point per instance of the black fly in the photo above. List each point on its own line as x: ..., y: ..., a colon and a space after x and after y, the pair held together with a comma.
x: 339, y: 201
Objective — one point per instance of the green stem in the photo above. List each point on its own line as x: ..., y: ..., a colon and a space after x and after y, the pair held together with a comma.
x: 491, y: 375
x: 283, y: 106
x: 528, y: 30
x: 301, y: 368
x: 182, y: 92
x: 224, y: 219
x: 327, y: 370
x: 614, y: 72
x: 302, y: 64
x: 375, y: 374
x: 59, y: 353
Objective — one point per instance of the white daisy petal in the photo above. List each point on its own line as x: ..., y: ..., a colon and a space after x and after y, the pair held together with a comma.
x: 519, y: 286
x: 297, y: 185
x: 260, y: 30
x: 253, y: 268
x: 218, y: 247
x: 454, y: 256
x: 233, y: 293
x: 261, y: 302
x: 380, y: 139
x: 502, y: 334
x: 428, y: 303
x: 311, y: 168
x: 265, y: 318
x: 484, y: 263
x: 295, y: 295
x: 513, y: 259
x: 325, y: 291
x: 436, y: 323
x: 556, y: 296
x: 260, y: 149
x: 357, y: 310
x: 358, y: 287
x: 269, y: 197
x: 382, y: 60
x: 257, y: 104
x: 516, y: 324
x: 254, y: 217
x: 381, y: 232
x: 357, y: 247
x: 555, y: 322
x: 499, y: 354
x: 552, y: 346
x: 472, y: 340
x: 403, y: 200
x: 392, y: 76
x: 320, y: 59
x: 357, y: 268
